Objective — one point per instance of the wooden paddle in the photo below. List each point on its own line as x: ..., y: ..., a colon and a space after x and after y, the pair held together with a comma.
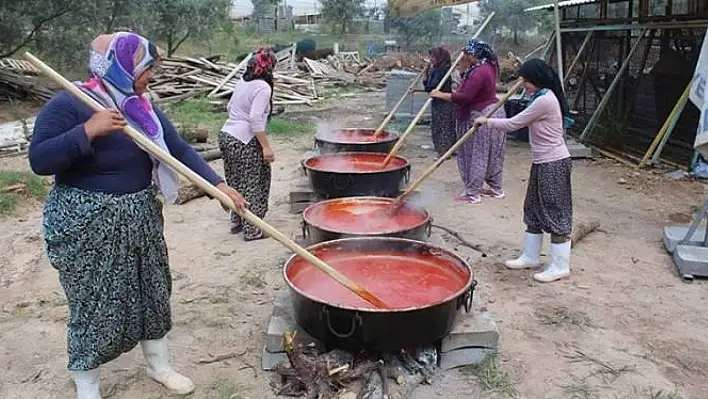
x: 427, y: 103
x: 399, y: 201
x: 150, y: 147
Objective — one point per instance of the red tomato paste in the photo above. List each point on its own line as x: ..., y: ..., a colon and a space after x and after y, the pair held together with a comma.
x: 364, y: 217
x: 355, y: 136
x: 400, y: 279
x: 354, y: 163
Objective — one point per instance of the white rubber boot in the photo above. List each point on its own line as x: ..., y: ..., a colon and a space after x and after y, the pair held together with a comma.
x: 530, y: 255
x: 157, y: 357
x: 87, y: 384
x: 559, y: 267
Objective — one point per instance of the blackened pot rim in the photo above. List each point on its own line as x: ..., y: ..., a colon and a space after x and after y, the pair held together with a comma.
x: 393, y: 136
x: 359, y: 199
x: 341, y: 154
x: 457, y: 294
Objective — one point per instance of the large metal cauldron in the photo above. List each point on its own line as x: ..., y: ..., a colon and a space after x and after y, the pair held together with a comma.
x: 356, y: 174
x: 318, y: 300
x: 355, y: 140
x: 363, y: 217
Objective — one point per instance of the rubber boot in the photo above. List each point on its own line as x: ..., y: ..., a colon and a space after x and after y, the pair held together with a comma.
x: 157, y: 357
x: 87, y: 384
x: 559, y: 267
x: 530, y: 255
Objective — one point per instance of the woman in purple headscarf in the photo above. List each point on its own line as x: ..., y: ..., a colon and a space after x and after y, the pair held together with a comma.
x: 481, y: 158
x: 103, y: 225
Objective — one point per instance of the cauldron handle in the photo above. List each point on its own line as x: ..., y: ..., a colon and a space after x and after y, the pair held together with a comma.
x: 302, y: 165
x: 356, y: 319
x: 305, y: 230
x: 407, y: 174
x: 466, y: 298
x: 429, y: 228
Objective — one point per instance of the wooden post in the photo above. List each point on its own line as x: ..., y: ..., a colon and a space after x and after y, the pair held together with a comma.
x: 577, y: 56
x: 606, y: 98
x: 559, y: 45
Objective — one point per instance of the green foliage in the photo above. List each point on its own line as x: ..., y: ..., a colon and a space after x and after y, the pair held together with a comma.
x: 339, y: 14
x: 196, y: 113
x: 424, y: 27
x: 510, y: 16
x: 280, y: 126
x: 9, y: 200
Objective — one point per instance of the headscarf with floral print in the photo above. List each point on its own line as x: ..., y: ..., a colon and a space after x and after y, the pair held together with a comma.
x: 484, y: 54
x: 115, y: 62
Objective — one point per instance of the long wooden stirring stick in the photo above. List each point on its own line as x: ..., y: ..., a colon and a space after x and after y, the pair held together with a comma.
x: 401, y: 198
x: 427, y: 103
x: 391, y: 113
x: 150, y: 147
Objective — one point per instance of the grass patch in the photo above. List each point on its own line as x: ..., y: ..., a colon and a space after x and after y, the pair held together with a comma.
x: 492, y: 378
x: 16, y: 186
x: 606, y: 372
x: 279, y: 126
x: 560, y: 316
x: 580, y: 389
x: 661, y: 394
x: 196, y: 113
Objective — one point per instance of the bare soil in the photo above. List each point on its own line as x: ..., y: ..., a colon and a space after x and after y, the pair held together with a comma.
x: 623, y: 326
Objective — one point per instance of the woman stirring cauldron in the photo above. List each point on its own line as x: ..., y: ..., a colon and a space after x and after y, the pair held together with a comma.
x: 442, y: 112
x: 548, y: 204
x: 103, y: 224
x: 243, y: 141
x: 481, y: 158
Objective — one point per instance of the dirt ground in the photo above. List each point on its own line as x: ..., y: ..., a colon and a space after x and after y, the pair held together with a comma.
x: 623, y: 326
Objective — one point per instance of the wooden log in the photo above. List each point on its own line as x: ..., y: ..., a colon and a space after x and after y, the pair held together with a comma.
x: 188, y: 193
x: 582, y: 230
x: 211, y: 155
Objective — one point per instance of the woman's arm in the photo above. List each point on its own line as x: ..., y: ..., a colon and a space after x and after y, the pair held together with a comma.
x: 259, y: 118
x: 58, y: 139
x: 184, y: 152
x: 523, y: 119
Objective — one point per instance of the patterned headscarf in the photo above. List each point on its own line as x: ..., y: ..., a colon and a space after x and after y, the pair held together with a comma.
x: 484, y: 54
x: 115, y: 62
x: 261, y: 64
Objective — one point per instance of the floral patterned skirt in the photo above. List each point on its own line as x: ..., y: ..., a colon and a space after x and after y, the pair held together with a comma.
x: 112, y: 261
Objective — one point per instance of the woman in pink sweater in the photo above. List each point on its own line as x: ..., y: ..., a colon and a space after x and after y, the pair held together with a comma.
x: 243, y: 142
x: 548, y: 205
x: 481, y: 158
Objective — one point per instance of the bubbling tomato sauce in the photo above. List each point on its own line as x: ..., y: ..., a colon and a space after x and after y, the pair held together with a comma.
x: 400, y: 279
x: 354, y: 163
x: 355, y: 136
x: 364, y: 217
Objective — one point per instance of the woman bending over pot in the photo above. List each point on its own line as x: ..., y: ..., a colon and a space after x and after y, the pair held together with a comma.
x: 481, y: 158
x: 548, y: 205
x: 243, y: 141
x: 103, y: 225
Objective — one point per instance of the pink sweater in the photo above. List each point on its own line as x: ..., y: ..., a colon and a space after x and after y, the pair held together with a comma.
x: 248, y: 110
x: 545, y: 122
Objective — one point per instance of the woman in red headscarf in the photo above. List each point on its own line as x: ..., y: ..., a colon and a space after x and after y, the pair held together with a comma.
x: 243, y: 141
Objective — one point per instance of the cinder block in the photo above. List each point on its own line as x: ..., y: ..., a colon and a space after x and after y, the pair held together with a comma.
x: 579, y: 151
x: 691, y: 261
x: 465, y: 357
x: 476, y: 329
x: 674, y: 234
x: 270, y: 360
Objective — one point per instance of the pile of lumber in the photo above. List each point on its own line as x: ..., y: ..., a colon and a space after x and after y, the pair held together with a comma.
x: 18, y: 81
x: 181, y: 78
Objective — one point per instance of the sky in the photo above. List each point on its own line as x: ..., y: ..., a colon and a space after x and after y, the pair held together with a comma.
x: 300, y: 7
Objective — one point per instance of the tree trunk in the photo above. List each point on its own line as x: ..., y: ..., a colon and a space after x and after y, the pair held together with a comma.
x: 516, y: 37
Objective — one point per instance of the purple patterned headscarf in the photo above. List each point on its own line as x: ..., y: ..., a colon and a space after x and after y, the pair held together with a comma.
x: 115, y: 62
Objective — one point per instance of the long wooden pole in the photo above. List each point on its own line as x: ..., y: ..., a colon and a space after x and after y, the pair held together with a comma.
x: 422, y: 110
x: 457, y: 145
x: 152, y: 148
x: 663, y: 136
x: 391, y: 113
x: 606, y: 98
x: 559, y: 45
x: 577, y: 56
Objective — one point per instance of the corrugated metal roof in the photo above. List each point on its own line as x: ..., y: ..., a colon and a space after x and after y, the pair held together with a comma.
x: 566, y: 3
